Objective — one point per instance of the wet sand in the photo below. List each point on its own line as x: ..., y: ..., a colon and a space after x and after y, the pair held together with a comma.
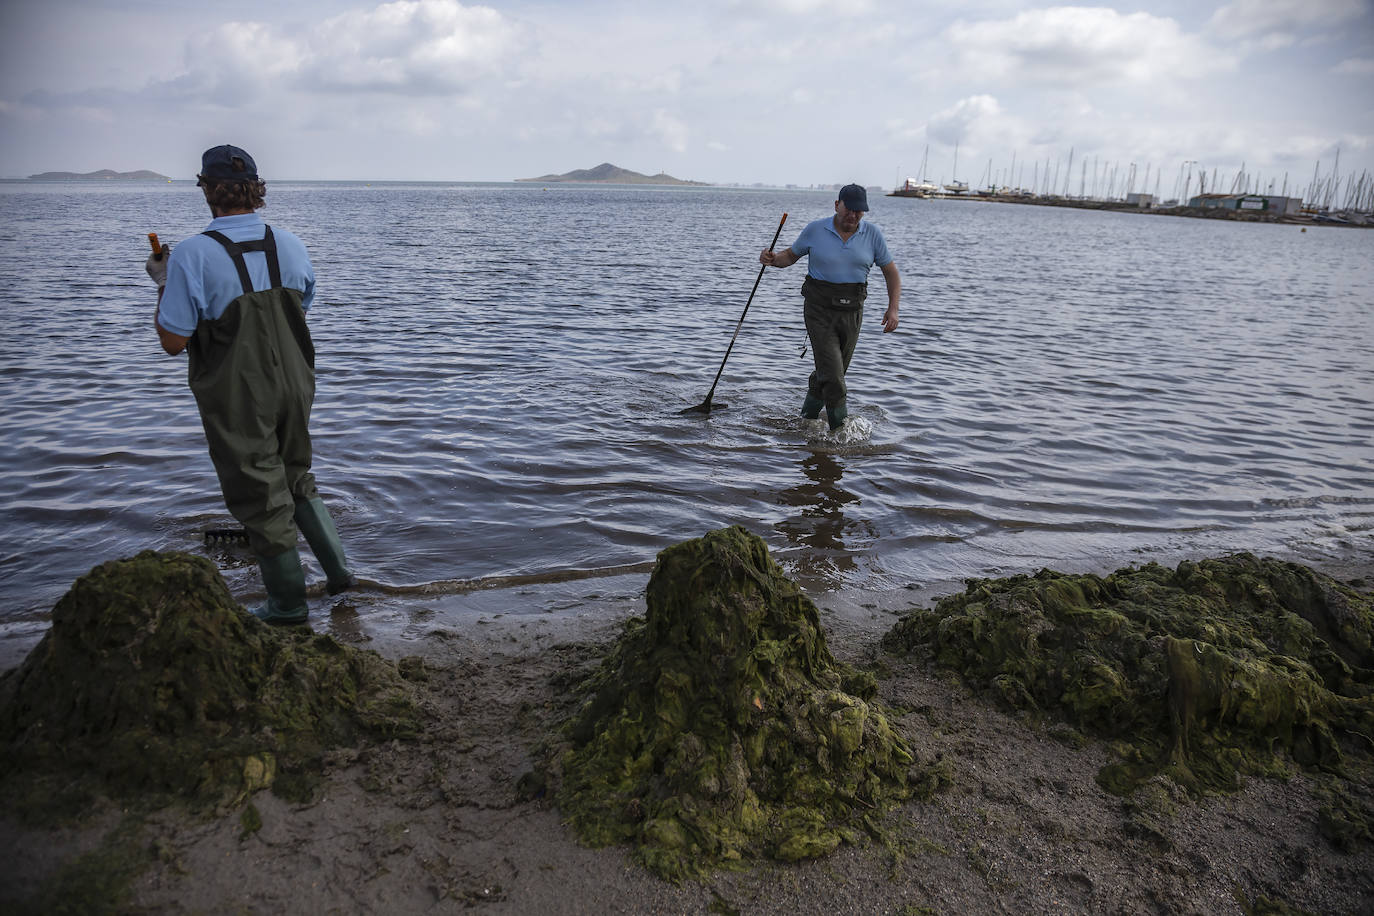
x: 438, y: 825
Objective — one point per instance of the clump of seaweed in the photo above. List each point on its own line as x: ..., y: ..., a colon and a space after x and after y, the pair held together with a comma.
x: 154, y: 682
x: 1220, y: 669
x: 720, y: 728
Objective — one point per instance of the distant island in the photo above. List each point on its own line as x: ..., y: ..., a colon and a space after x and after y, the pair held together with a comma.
x: 102, y: 175
x: 612, y: 174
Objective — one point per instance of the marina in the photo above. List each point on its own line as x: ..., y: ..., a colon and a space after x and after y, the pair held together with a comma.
x: 1327, y: 199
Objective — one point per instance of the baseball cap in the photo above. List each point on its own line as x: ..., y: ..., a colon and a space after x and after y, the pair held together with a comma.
x: 227, y: 163
x: 854, y: 197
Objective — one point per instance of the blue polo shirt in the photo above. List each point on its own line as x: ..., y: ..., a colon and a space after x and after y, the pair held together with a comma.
x: 834, y: 260
x: 202, y: 279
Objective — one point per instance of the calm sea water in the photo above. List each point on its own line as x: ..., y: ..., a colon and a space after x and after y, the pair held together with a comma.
x: 502, y: 367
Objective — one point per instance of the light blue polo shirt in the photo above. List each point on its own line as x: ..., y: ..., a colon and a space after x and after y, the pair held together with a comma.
x: 202, y: 279
x: 834, y: 260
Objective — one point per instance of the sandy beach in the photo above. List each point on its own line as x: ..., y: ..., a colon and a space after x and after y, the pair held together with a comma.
x: 442, y: 824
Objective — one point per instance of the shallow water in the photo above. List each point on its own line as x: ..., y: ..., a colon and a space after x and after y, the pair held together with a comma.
x: 501, y: 370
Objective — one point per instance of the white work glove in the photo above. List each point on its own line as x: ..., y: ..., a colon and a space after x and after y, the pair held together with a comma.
x: 156, y: 265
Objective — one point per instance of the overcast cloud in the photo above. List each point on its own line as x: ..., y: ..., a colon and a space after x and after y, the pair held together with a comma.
x: 728, y: 91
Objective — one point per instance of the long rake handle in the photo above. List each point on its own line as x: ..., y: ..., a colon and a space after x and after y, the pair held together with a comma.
x: 740, y: 323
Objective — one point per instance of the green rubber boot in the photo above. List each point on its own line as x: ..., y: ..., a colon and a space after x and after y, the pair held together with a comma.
x: 811, y: 407
x: 285, y: 582
x: 314, y: 521
x: 835, y: 416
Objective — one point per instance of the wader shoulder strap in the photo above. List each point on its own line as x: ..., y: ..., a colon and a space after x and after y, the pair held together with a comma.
x: 236, y: 249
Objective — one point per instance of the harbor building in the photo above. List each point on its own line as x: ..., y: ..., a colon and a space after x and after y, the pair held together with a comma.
x: 1281, y: 206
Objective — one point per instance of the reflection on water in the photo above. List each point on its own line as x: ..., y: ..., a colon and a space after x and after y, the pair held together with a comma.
x: 817, y: 525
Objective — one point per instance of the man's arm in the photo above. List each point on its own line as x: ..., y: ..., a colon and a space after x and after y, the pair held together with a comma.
x: 156, y: 265
x: 784, y: 258
x: 894, y: 295
x: 172, y: 343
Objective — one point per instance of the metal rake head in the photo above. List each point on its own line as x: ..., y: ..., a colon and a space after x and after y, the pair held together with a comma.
x: 225, y: 536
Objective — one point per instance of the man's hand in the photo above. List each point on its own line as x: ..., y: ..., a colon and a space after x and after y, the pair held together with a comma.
x: 156, y: 265
x: 893, y: 279
x: 770, y: 258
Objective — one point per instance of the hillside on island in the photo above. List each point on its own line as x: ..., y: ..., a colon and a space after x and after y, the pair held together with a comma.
x: 101, y: 175
x: 611, y: 174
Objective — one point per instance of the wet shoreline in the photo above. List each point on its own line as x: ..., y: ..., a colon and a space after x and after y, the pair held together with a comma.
x: 578, y: 605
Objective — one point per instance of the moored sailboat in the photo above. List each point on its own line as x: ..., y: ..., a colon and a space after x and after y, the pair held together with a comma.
x: 955, y: 186
x: 922, y: 187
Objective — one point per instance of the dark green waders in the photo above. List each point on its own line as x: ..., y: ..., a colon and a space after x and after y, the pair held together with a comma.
x: 834, y: 316
x: 252, y: 371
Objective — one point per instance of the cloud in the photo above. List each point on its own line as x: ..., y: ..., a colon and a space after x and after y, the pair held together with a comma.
x: 955, y: 123
x: 769, y: 8
x: 234, y: 61
x: 671, y: 132
x: 1082, y: 47
x: 409, y: 47
x: 396, y: 86
x: 1355, y: 66
x: 41, y: 101
x: 1270, y: 19
x: 405, y: 48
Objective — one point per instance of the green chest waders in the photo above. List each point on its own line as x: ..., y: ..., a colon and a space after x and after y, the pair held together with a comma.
x: 253, y: 374
x: 252, y: 371
x: 834, y: 314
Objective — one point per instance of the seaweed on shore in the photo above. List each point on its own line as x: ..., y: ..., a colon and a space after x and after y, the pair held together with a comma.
x: 720, y: 728
x: 154, y: 683
x: 1220, y: 669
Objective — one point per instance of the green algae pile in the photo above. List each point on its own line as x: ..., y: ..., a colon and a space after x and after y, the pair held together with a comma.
x: 154, y: 682
x: 720, y: 729
x: 1220, y: 669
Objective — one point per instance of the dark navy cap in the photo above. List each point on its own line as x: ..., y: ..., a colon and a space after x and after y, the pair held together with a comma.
x: 854, y: 198
x: 228, y: 163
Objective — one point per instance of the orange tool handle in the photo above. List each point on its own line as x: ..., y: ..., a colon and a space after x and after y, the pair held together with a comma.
x: 152, y: 240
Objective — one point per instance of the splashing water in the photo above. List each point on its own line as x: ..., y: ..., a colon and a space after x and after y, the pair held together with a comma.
x: 854, y: 430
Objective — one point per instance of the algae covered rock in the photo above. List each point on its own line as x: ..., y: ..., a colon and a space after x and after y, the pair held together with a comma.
x: 152, y: 680
x: 720, y: 727
x: 1222, y: 668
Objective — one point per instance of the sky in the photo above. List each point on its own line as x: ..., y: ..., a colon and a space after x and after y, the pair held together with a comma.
x: 775, y: 92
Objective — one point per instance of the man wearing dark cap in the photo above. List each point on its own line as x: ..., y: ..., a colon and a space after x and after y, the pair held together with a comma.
x: 234, y: 298
x: 839, y: 252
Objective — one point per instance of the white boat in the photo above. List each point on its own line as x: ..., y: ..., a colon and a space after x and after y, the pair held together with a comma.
x: 912, y: 187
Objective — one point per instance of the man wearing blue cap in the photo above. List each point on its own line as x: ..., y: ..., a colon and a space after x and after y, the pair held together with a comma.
x: 234, y: 298
x: 839, y: 252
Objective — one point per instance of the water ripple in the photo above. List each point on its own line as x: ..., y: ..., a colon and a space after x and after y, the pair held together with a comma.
x: 502, y: 370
